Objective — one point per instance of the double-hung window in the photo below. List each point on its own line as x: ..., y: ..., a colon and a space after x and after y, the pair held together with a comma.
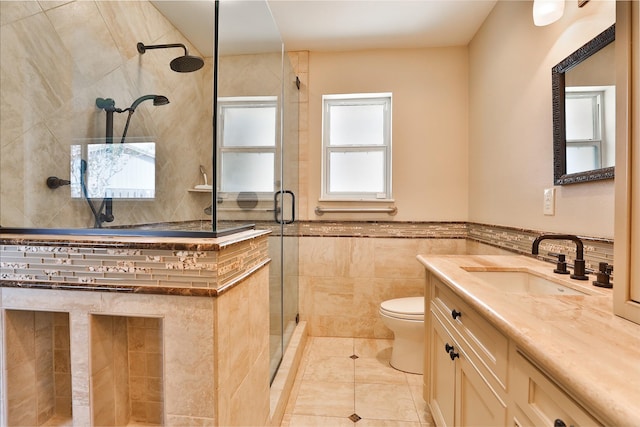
x: 356, y: 141
x: 247, y: 144
x: 584, y: 112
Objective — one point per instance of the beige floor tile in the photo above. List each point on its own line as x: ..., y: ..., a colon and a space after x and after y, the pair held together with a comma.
x: 385, y: 402
x: 330, y: 346
x: 424, y: 414
x: 325, y: 398
x: 386, y: 423
x: 414, y: 379
x: 337, y: 369
x: 369, y: 370
x: 319, y: 421
x: 378, y: 348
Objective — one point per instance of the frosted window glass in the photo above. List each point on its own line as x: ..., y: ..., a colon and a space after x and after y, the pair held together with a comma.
x: 357, y: 172
x: 581, y: 158
x: 357, y: 125
x: 249, y: 126
x: 247, y: 172
x: 580, y: 118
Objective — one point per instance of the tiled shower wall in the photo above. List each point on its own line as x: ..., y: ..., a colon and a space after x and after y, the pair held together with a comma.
x: 60, y: 56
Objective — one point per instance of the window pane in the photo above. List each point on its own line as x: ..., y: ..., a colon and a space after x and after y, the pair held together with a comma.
x: 249, y: 126
x: 357, y: 124
x: 580, y: 118
x: 582, y: 158
x: 247, y: 172
x: 361, y: 172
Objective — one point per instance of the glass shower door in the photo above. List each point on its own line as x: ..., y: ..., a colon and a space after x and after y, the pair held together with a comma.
x: 256, y: 155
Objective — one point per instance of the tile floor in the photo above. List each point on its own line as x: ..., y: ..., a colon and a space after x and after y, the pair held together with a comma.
x: 333, y: 387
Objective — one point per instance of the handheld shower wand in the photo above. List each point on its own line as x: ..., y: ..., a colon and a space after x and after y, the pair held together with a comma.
x: 109, y: 106
x: 157, y: 100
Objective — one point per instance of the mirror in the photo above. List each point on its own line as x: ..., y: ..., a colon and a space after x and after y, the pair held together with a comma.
x: 583, y: 87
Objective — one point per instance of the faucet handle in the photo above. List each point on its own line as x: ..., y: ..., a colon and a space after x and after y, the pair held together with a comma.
x: 561, y: 266
x: 604, y: 275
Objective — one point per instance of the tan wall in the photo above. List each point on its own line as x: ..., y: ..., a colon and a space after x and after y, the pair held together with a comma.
x: 510, y: 128
x: 430, y: 99
x: 64, y: 55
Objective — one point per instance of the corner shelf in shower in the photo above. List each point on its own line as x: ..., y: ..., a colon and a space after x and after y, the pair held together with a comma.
x: 200, y: 190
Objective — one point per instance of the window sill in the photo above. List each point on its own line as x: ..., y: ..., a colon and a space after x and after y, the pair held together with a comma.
x: 356, y: 200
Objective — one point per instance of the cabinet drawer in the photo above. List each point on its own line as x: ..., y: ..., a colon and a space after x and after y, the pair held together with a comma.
x: 490, y: 346
x: 541, y: 400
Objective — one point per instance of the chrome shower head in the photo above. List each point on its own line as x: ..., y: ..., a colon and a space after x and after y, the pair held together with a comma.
x: 182, y: 64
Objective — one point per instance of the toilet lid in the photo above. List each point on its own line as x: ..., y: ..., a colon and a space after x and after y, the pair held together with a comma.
x: 411, y: 308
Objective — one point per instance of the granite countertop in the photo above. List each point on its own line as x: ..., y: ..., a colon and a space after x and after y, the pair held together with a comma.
x: 576, y: 339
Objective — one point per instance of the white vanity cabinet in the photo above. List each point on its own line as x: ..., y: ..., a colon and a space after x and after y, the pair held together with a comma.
x: 467, y: 364
x: 538, y: 401
x: 476, y: 376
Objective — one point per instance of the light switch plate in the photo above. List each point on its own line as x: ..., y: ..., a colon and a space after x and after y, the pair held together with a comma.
x: 549, y: 204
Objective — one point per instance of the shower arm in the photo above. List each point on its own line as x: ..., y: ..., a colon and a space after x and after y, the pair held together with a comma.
x: 142, y: 47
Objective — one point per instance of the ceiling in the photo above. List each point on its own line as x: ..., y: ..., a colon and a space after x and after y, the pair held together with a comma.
x: 331, y: 25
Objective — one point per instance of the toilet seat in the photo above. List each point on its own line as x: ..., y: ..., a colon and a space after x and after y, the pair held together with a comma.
x: 410, y: 308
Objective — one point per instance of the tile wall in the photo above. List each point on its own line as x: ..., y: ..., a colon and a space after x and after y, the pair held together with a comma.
x: 347, y: 268
x: 198, y: 266
x: 37, y: 367
x: 51, y: 77
x: 126, y: 370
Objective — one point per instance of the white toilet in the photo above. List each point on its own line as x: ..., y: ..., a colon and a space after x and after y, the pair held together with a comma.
x: 405, y: 317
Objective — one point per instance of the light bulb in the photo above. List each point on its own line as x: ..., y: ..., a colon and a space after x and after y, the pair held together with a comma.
x: 546, y: 12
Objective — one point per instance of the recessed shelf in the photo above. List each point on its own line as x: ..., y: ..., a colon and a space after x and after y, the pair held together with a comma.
x: 38, y: 368
x: 126, y: 370
x: 200, y: 190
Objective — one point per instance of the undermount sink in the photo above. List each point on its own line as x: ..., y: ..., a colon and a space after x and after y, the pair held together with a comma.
x: 523, y: 282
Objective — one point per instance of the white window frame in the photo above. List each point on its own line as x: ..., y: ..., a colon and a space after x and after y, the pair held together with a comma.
x: 328, y: 148
x: 248, y: 102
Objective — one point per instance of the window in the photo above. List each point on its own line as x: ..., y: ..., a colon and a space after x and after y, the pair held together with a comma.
x: 357, y: 147
x: 247, y: 136
x: 586, y: 130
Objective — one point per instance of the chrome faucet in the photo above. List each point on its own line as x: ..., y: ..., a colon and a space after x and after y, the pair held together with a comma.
x: 578, y: 265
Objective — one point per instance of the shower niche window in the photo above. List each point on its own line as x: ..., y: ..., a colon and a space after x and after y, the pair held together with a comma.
x: 117, y: 171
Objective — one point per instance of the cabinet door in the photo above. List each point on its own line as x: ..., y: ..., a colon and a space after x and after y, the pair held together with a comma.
x: 442, y: 371
x: 541, y: 400
x: 478, y: 404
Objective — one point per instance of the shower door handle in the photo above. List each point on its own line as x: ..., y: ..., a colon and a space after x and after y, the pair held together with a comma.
x: 277, y: 210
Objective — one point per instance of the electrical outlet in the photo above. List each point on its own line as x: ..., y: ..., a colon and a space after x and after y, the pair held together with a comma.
x: 549, y: 204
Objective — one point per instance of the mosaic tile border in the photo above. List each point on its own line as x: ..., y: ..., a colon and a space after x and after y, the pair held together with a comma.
x: 208, y: 266
x: 75, y: 265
